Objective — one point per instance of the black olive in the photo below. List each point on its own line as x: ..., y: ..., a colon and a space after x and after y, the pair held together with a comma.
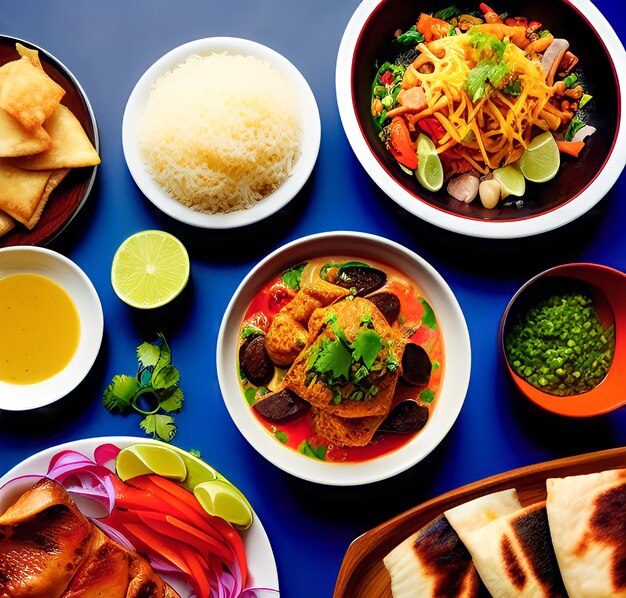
x: 363, y: 279
x: 255, y: 362
x: 281, y: 406
x: 416, y: 366
x: 406, y: 417
x: 388, y: 305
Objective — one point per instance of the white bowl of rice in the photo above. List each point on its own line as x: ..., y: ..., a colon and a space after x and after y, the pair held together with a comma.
x: 221, y: 132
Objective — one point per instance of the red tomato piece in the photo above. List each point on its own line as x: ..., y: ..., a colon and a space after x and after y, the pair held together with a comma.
x: 401, y: 145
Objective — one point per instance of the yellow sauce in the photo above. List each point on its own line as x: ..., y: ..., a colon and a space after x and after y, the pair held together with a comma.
x: 39, y: 328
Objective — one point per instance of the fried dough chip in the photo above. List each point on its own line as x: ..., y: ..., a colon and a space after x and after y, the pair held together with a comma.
x: 27, y: 93
x: 70, y: 147
x: 21, y: 191
x: 6, y: 223
x: 53, y: 182
x: 31, y: 55
x: 15, y: 140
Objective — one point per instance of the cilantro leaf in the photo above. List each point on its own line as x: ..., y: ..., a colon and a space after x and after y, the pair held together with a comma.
x: 411, y: 37
x: 428, y: 317
x: 171, y: 399
x: 318, y: 452
x: 446, y: 14
x: 334, y: 359
x: 166, y: 377
x: 119, y: 394
x: 250, y: 395
x: 575, y: 125
x: 427, y: 395
x: 195, y: 453
x: 148, y: 355
x: 293, y: 276
x: 249, y: 331
x: 366, y: 347
x: 281, y: 436
x: 157, y: 382
x: 160, y: 426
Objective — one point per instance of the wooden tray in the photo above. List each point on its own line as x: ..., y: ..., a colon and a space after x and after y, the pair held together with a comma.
x: 362, y: 572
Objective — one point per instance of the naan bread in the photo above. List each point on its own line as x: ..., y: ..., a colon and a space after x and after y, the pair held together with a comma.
x: 433, y: 563
x: 587, y: 516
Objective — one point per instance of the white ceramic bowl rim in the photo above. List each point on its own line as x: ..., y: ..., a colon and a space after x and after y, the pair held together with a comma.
x: 311, y: 134
x: 492, y: 229
x: 456, y: 374
x: 39, y: 260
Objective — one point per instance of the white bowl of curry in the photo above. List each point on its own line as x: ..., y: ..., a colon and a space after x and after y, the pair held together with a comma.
x: 343, y: 358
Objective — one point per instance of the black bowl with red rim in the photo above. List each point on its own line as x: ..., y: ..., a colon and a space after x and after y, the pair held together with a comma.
x: 69, y: 197
x: 579, y: 184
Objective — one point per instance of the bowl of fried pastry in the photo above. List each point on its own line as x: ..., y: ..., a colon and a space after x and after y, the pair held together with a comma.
x: 48, y: 145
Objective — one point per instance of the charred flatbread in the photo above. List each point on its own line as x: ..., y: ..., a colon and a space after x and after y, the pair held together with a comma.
x: 587, y: 516
x: 433, y: 563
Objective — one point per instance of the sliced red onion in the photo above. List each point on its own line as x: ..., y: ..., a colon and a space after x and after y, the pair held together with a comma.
x: 115, y: 535
x: 105, y: 453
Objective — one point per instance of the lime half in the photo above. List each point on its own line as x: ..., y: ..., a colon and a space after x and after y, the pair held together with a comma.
x: 149, y: 269
x: 430, y: 172
x: 512, y: 181
x: 140, y: 459
x: 541, y: 159
x: 224, y: 500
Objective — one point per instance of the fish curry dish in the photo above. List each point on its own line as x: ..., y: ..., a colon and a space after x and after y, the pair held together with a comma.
x: 341, y: 360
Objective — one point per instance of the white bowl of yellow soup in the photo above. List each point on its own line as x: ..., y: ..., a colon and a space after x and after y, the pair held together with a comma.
x: 52, y: 325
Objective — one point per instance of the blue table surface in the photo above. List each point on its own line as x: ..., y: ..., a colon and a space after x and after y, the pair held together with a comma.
x: 108, y: 45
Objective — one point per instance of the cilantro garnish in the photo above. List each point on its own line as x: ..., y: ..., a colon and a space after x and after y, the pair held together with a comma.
x: 411, y: 37
x: 428, y: 316
x: 154, y: 392
x: 293, y: 276
x: 350, y: 369
x: 315, y: 452
x: 281, y: 436
x: 491, y: 70
x: 427, y: 395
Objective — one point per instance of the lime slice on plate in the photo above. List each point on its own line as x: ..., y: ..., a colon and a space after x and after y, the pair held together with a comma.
x: 512, y: 181
x: 430, y: 172
x: 425, y: 146
x: 149, y: 269
x: 140, y: 459
x: 224, y: 500
x: 541, y: 159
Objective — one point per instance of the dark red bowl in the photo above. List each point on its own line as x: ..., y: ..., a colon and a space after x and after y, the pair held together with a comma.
x: 68, y: 198
x: 578, y: 185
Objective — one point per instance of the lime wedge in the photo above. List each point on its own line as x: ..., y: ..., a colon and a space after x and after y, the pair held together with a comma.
x: 541, y: 159
x: 425, y: 146
x: 149, y: 269
x: 224, y: 500
x: 140, y: 459
x: 430, y: 172
x: 512, y: 181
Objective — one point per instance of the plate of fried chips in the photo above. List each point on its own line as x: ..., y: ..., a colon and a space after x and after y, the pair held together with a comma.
x: 48, y: 144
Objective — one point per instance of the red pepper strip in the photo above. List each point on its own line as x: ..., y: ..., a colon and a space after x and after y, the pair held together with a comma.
x: 132, y: 499
x: 401, y: 145
x: 200, y: 571
x: 176, y: 553
x: 533, y: 26
x: 573, y: 148
x: 184, y: 503
x: 491, y: 16
x: 172, y: 527
x: 432, y: 127
x: 516, y: 22
x: 181, y: 508
x: 386, y: 78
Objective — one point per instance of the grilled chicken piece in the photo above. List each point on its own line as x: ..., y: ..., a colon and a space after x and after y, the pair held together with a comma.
x: 43, y: 540
x: 49, y: 549
x: 103, y: 572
